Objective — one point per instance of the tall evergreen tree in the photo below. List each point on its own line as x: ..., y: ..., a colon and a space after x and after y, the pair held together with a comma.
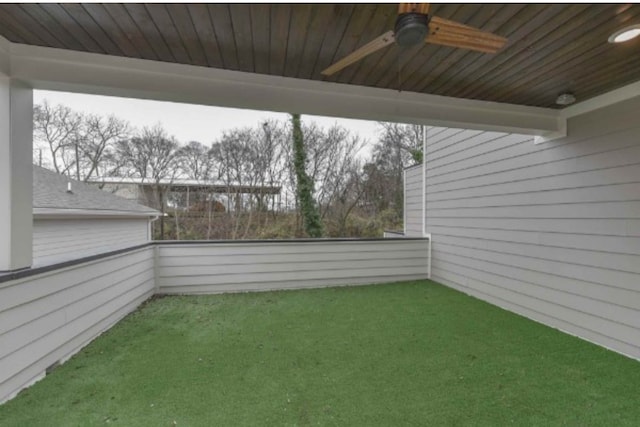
x: 304, y: 188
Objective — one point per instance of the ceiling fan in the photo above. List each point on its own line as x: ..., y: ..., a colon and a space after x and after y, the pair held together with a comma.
x: 414, y: 25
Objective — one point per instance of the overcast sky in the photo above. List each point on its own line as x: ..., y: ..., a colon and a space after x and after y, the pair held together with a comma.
x: 188, y: 122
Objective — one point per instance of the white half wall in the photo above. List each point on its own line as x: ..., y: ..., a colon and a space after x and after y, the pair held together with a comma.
x: 204, y: 268
x: 550, y: 231
x: 48, y: 317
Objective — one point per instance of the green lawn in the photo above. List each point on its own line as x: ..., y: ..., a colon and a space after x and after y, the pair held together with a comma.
x: 413, y: 353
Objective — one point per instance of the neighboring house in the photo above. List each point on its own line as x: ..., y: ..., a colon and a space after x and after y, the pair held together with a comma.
x: 73, y: 220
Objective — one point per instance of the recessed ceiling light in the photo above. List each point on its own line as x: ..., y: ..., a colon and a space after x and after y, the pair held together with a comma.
x: 625, y: 34
x: 566, y: 98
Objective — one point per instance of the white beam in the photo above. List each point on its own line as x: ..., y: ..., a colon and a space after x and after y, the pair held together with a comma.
x: 551, y: 136
x: 16, y: 157
x: 615, y: 96
x: 66, y: 70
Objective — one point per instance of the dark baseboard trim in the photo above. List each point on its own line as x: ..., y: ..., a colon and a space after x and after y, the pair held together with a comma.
x: 14, y: 270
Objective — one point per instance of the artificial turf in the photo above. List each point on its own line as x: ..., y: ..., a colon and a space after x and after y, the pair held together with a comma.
x: 413, y: 353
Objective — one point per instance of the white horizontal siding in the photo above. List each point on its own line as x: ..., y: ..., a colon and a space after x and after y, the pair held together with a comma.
x: 550, y: 231
x: 413, y: 200
x: 228, y: 267
x: 48, y: 317
x: 58, y: 240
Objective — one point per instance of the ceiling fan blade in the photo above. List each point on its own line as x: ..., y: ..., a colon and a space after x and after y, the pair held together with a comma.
x: 451, y: 33
x: 444, y: 41
x: 355, y: 56
x: 421, y: 8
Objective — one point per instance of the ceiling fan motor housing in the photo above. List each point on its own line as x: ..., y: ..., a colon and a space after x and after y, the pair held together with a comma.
x: 411, y: 29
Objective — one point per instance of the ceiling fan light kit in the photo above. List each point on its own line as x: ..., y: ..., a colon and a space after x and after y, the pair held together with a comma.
x: 414, y: 25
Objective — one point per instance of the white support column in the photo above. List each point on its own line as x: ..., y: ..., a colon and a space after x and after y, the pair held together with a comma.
x: 16, y: 175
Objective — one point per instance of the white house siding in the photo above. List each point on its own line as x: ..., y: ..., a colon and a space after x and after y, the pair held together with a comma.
x: 48, y: 317
x: 550, y: 231
x: 413, y: 202
x: 255, y: 266
x: 58, y: 240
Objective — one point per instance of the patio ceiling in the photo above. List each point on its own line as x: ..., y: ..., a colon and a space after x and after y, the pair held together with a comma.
x: 552, y: 47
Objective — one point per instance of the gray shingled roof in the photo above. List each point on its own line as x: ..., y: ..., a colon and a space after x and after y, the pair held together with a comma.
x: 50, y: 192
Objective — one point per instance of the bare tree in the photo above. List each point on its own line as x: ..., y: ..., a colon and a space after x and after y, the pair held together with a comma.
x: 151, y: 155
x: 347, y: 197
x: 97, y: 141
x: 333, y: 157
x: 399, y: 146
x: 231, y: 154
x: 56, y: 127
x: 195, y: 161
x: 238, y: 160
x: 249, y: 161
x: 400, y: 143
x: 272, y: 142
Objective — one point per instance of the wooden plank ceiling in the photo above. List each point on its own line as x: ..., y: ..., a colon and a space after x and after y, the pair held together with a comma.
x: 552, y: 47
